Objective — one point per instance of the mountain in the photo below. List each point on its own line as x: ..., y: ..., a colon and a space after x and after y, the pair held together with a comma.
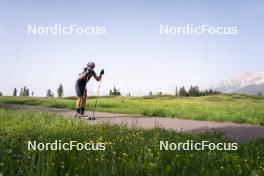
x: 247, y: 83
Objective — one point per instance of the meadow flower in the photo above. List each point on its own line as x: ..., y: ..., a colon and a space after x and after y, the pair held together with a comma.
x: 109, y: 142
x: 152, y: 164
x: 149, y: 150
x: 124, y: 154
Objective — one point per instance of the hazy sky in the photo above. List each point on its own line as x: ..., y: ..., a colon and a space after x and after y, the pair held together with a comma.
x: 133, y: 52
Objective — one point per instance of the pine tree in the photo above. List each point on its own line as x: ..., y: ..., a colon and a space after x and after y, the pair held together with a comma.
x: 1, y: 94
x: 15, y: 92
x: 183, y: 92
x: 27, y: 93
x: 21, y: 92
x: 60, y: 91
x: 115, y: 91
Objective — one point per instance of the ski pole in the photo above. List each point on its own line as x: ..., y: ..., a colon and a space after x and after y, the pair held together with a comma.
x: 96, y: 98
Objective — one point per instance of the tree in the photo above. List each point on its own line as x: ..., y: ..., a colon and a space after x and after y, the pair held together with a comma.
x: 183, y: 92
x: 49, y: 94
x: 1, y: 94
x: 60, y: 91
x: 211, y: 92
x: 176, y: 91
x: 194, y: 91
x: 32, y: 93
x: 150, y: 93
x: 15, y: 92
x: 24, y: 91
x: 202, y: 93
x: 114, y: 92
x: 27, y: 93
x: 21, y: 92
x: 259, y: 94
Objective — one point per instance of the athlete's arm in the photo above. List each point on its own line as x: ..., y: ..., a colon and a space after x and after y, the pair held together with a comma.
x: 98, y: 78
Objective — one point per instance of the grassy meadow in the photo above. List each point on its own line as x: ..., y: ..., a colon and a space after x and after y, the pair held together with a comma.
x: 128, y: 151
x: 235, y: 108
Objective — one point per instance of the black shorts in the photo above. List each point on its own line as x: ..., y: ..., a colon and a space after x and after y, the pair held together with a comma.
x: 80, y: 87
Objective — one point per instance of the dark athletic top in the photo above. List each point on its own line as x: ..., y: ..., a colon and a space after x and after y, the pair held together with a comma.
x: 81, y: 83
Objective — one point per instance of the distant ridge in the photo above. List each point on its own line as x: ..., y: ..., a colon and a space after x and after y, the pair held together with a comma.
x: 246, y: 83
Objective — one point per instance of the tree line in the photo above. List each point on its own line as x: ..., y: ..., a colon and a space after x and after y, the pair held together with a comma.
x: 25, y: 92
x: 60, y: 93
x: 193, y: 91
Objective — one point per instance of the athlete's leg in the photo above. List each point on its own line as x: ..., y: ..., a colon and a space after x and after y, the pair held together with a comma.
x: 78, y: 104
x: 83, y: 101
x: 79, y: 92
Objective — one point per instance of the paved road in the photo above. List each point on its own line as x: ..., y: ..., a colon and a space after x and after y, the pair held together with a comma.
x: 237, y: 132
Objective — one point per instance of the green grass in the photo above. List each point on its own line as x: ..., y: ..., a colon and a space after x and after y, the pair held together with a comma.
x: 128, y: 151
x: 235, y: 108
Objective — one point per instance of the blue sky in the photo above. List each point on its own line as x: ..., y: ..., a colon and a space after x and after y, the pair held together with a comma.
x: 133, y: 52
